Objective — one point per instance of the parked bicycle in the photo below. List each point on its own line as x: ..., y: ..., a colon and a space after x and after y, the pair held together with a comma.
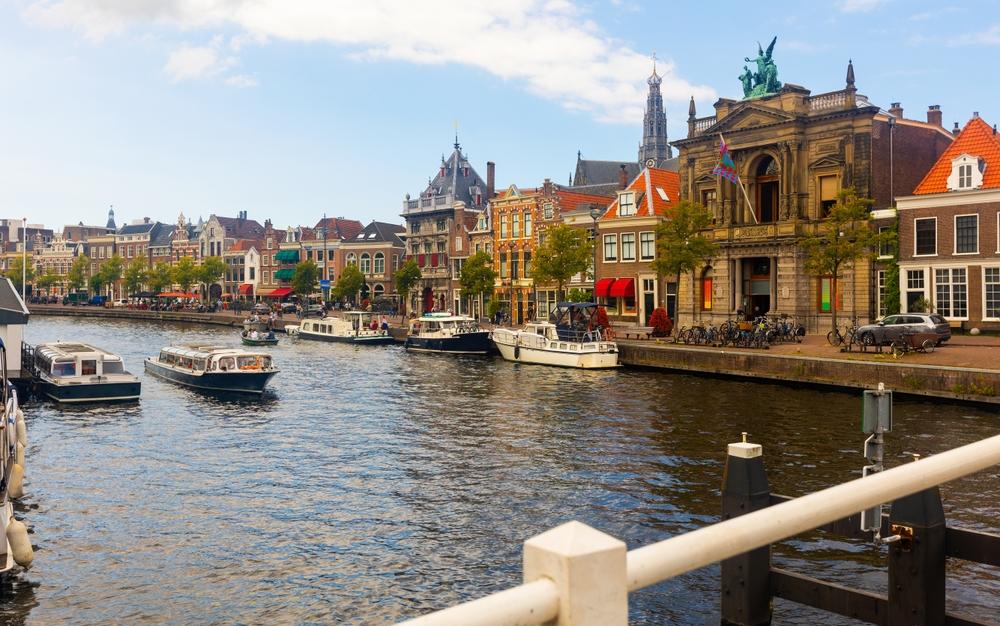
x: 915, y: 342
x: 837, y: 338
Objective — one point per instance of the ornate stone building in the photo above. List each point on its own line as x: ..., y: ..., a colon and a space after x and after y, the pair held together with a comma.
x: 793, y: 152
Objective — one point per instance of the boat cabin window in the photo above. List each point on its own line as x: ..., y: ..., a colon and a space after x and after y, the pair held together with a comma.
x: 114, y: 367
x: 199, y: 364
x: 64, y: 369
x: 227, y: 364
x: 266, y: 362
x: 248, y: 363
x: 88, y: 367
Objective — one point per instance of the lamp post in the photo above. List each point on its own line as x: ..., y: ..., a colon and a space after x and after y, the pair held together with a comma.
x: 24, y: 255
x: 326, y: 262
x: 594, y: 214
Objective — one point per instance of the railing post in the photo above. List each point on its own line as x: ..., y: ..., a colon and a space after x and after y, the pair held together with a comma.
x: 917, y: 559
x: 746, y: 579
x: 588, y: 568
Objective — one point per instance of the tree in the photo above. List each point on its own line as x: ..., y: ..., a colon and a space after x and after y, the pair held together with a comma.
x: 305, y: 278
x: 136, y: 274
x: 478, y: 276
x: 112, y: 270
x: 406, y: 277
x: 96, y: 282
x: 565, y: 253
x: 682, y: 245
x: 211, y: 270
x: 185, y: 273
x: 890, y: 292
x: 579, y: 295
x: 77, y: 277
x: 16, y: 272
x: 349, y: 283
x: 844, y: 237
x: 46, y: 280
x: 160, y: 277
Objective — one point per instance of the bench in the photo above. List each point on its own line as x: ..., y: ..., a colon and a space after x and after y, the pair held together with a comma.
x: 640, y: 332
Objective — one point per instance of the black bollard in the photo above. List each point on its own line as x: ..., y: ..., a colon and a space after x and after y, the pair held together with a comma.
x: 746, y: 584
x: 916, y: 560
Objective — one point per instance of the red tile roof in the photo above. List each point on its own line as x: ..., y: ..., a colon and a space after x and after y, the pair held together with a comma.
x: 976, y: 139
x: 572, y: 200
x: 242, y: 245
x: 647, y: 186
x: 338, y: 227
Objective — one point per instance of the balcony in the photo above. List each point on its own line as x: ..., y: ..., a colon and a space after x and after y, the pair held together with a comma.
x: 428, y: 203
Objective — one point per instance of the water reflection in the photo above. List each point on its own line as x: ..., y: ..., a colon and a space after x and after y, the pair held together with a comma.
x: 374, y: 484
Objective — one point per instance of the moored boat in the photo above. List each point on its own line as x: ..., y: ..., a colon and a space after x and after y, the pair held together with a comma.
x: 443, y: 332
x: 574, y: 340
x: 74, y: 372
x: 351, y: 327
x: 213, y: 368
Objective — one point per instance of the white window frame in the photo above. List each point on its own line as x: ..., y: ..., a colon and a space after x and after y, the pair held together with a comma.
x: 920, y: 219
x: 604, y: 248
x: 622, y: 195
x: 621, y: 251
x: 652, y: 256
x: 904, y: 285
x: 378, y: 258
x: 880, y: 278
x: 951, y: 302
x: 882, y: 229
x: 983, y: 293
x: 998, y: 233
x: 954, y: 242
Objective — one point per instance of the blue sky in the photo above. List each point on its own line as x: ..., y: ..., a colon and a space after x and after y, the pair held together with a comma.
x: 290, y: 109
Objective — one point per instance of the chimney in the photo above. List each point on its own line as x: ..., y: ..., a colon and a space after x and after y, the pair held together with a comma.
x: 547, y: 187
x: 145, y: 220
x: 934, y: 115
x: 975, y: 115
x: 956, y: 130
x: 896, y: 111
x: 622, y: 178
x: 491, y: 179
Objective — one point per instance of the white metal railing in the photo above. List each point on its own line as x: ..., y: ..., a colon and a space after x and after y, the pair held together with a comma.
x: 562, y: 557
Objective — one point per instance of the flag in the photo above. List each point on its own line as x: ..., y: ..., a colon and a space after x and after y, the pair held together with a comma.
x: 725, y: 168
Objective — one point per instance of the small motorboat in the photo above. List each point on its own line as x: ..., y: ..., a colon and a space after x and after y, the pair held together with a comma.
x: 74, y: 372
x: 443, y: 332
x: 213, y: 368
x: 571, y: 341
x: 258, y: 338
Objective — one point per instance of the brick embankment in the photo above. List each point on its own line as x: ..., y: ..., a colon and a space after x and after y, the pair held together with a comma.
x: 966, y: 371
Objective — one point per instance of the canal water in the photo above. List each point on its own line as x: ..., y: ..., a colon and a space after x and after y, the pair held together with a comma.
x: 373, y: 484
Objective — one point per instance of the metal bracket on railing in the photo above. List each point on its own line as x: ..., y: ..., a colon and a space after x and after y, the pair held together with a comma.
x: 876, y: 419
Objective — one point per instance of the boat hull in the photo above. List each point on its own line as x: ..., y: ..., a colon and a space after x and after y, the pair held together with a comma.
x: 369, y: 340
x: 465, y: 343
x: 259, y: 342
x: 559, y: 358
x: 124, y: 391
x: 235, y: 382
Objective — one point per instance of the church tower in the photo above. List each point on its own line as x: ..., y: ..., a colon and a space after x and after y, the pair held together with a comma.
x: 654, y: 149
x: 111, y: 219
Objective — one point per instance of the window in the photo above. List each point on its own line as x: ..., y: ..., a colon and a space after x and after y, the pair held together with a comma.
x: 515, y: 266
x: 352, y: 259
x: 925, y: 231
x: 991, y: 292
x: 414, y: 229
x: 965, y: 176
x: 253, y: 273
x: 966, y: 173
x: 706, y: 290
x: 628, y: 246
x: 626, y: 203
x: 881, y: 274
x: 827, y: 194
x: 395, y: 262
x: 442, y: 224
x: 515, y: 230
x: 427, y: 247
x: 826, y: 295
x: 887, y: 245
x: 503, y: 265
x: 708, y: 199
x: 379, y: 263
x: 266, y: 276
x: 527, y: 224
x: 440, y: 247
x: 547, y: 211
x: 366, y: 263
x: 966, y: 234
x: 647, y: 246
x: 952, y: 292
x: 458, y: 244
x: 914, y: 287
x: 503, y: 226
x: 610, y: 247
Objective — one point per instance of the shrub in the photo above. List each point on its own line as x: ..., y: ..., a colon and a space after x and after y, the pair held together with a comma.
x: 661, y: 323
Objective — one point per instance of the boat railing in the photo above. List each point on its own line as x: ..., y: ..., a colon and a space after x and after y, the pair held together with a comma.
x: 579, y: 336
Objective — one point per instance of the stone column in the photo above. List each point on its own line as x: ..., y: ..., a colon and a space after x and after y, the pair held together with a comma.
x: 737, y: 284
x: 774, y: 284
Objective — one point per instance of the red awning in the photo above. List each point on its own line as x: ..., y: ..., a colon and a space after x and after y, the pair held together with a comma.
x: 246, y: 289
x: 623, y: 288
x: 280, y: 292
x: 602, y: 287
x: 177, y: 294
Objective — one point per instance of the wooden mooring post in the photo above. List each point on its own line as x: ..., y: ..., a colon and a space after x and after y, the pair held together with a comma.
x: 917, y: 560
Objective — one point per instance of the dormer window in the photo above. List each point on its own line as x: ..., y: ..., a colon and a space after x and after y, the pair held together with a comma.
x: 626, y: 203
x: 966, y: 173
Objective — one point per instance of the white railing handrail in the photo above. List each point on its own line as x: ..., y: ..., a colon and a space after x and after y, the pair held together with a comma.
x: 535, y: 603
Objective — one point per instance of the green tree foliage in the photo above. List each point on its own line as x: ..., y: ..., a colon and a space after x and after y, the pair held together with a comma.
x: 186, y: 273
x: 160, y: 277
x: 565, y: 253
x: 349, y: 283
x: 682, y: 244
x: 111, y: 271
x: 844, y: 237
x: 136, y: 274
x: 406, y: 277
x: 96, y: 282
x: 579, y: 295
x: 890, y: 293
x: 16, y: 272
x: 306, y: 278
x: 46, y: 280
x: 211, y: 270
x: 76, y: 279
x: 477, y: 276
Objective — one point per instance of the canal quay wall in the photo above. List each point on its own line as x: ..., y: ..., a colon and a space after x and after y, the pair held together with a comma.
x: 958, y: 383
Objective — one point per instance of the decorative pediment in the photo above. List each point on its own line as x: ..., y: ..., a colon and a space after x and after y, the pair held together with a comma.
x: 825, y: 162
x: 512, y: 192
x: 705, y: 178
x: 749, y: 116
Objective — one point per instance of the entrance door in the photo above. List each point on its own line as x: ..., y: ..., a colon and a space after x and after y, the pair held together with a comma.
x: 757, y: 283
x: 428, y: 299
x: 672, y: 301
x: 648, y: 299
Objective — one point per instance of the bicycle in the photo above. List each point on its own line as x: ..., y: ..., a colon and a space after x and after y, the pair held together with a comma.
x: 907, y: 342
x: 836, y: 338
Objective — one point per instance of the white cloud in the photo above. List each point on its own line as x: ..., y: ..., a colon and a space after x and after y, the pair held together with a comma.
x: 189, y: 63
x: 548, y: 47
x: 861, y: 6
x: 241, y: 80
x: 988, y: 37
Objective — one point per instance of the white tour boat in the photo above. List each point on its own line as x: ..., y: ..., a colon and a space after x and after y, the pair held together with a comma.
x: 570, y: 342
x: 350, y: 327
x: 72, y: 372
x: 444, y: 332
x: 213, y: 368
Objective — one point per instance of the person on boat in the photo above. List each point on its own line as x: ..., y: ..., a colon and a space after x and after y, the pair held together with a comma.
x: 374, y: 324
x: 385, y: 323
x: 254, y: 334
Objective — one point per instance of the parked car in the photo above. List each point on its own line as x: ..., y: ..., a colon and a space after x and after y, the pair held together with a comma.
x: 98, y: 300
x: 261, y: 309
x: 287, y: 307
x: 120, y: 303
x: 888, y: 329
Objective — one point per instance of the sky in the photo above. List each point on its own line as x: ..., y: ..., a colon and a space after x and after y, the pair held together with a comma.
x: 292, y: 109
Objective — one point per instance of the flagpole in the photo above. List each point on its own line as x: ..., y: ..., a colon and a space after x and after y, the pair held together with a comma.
x: 739, y: 180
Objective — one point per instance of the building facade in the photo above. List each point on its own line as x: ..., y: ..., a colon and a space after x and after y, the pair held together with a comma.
x: 377, y: 251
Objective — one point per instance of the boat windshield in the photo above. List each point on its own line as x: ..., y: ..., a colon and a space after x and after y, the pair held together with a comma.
x: 114, y: 367
x: 64, y: 368
x: 88, y: 367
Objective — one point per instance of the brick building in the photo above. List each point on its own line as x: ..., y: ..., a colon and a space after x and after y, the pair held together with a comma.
x: 377, y: 251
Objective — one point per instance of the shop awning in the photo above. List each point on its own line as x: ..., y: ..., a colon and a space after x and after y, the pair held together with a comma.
x: 602, y: 287
x: 246, y: 289
x: 287, y: 256
x: 177, y: 294
x: 280, y: 292
x: 623, y: 288
x: 285, y: 274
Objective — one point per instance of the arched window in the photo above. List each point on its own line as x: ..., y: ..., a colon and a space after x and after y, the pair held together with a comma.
x: 706, y: 289
x: 366, y: 263
x: 379, y: 291
x: 351, y: 259
x: 379, y: 263
x: 767, y: 185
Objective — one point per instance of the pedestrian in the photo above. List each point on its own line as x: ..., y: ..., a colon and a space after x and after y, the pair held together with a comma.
x: 385, y: 323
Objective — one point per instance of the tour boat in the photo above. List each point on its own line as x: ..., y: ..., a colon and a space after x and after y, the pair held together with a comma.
x: 350, y: 327
x: 443, y: 332
x: 213, y: 368
x: 572, y: 341
x: 73, y: 372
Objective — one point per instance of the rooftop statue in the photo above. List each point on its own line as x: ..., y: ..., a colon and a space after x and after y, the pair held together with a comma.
x: 765, y: 80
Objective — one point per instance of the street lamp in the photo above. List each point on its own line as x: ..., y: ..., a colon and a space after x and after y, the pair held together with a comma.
x: 594, y: 214
x: 326, y: 264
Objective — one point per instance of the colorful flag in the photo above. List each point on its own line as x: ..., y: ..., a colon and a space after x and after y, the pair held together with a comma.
x: 726, y: 168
